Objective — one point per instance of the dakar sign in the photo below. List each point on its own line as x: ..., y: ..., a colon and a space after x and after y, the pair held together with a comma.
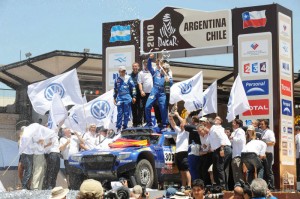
x: 178, y: 28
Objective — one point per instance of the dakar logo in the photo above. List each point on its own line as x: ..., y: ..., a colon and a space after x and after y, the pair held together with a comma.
x: 100, y: 109
x: 75, y: 118
x: 186, y: 87
x: 52, y: 89
x: 166, y: 33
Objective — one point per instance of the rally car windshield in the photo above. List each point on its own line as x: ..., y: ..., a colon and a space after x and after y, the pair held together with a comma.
x: 151, y: 138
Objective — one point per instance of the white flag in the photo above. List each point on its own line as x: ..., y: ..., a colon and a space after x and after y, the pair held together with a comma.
x: 98, y: 111
x: 238, y: 102
x: 66, y: 85
x: 58, y: 112
x: 210, y: 104
x: 74, y: 122
x: 189, y: 91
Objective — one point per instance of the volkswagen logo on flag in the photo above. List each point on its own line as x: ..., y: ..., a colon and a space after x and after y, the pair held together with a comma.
x: 54, y: 88
x: 186, y: 87
x: 100, y: 109
x: 75, y: 118
x: 204, y: 101
x: 50, y: 122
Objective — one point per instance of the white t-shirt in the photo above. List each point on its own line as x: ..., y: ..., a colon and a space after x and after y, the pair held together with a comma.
x: 205, y: 141
x: 182, y: 140
x: 268, y: 136
x: 238, y: 141
x: 297, y: 142
x: 90, y: 140
x: 54, y: 147
x: 145, y: 78
x: 217, y: 137
x: 255, y: 146
x: 71, y: 148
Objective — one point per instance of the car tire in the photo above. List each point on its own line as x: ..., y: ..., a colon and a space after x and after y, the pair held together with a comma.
x: 144, y: 174
x: 75, y: 181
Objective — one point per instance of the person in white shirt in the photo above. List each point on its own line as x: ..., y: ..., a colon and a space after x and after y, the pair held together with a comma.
x: 91, y: 139
x: 181, y: 153
x: 145, y: 84
x: 297, y: 142
x: 26, y: 160
x: 205, y: 154
x: 268, y: 137
x: 221, y: 147
x: 39, y: 164
x: 252, y: 155
x: 52, y: 155
x: 238, y: 142
x: 69, y: 145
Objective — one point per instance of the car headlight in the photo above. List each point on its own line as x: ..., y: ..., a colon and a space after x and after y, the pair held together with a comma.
x: 123, y: 156
x: 76, y: 158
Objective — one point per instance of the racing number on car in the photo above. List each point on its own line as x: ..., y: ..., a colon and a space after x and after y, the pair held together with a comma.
x: 169, y: 157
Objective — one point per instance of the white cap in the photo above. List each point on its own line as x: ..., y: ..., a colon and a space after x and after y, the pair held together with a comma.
x: 122, y: 68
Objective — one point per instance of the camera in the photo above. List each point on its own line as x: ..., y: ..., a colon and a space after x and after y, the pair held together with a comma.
x: 118, y: 193
x: 214, y: 191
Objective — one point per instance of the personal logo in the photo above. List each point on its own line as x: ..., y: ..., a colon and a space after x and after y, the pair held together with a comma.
x: 100, y: 109
x: 258, y: 107
x: 52, y: 89
x: 286, y: 107
x: 256, y: 87
x: 167, y: 37
x: 254, y: 46
x: 186, y: 87
x: 75, y: 118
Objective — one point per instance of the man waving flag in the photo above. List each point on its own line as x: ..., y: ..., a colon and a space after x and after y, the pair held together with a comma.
x: 238, y: 102
x: 66, y: 85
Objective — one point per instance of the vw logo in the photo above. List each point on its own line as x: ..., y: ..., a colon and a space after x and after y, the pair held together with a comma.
x: 75, y: 118
x: 50, y: 122
x: 186, y: 88
x: 54, y: 88
x: 100, y: 109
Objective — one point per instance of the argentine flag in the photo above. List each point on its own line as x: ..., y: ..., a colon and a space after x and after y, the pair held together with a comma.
x: 120, y: 33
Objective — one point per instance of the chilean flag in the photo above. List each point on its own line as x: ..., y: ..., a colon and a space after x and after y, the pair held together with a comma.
x: 254, y: 19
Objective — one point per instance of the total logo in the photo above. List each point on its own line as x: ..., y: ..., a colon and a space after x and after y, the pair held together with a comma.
x: 258, y: 107
x: 256, y: 87
x: 286, y: 88
x: 286, y: 107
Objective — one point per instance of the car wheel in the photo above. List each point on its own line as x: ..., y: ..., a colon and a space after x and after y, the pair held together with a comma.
x: 144, y: 174
x: 75, y: 181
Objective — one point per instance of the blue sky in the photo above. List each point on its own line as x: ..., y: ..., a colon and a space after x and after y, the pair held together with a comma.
x: 41, y: 26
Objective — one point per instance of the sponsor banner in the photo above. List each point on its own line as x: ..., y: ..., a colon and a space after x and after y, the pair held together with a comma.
x: 287, y: 142
x: 115, y: 57
x: 286, y: 88
x: 255, y: 48
x: 284, y: 26
x: 255, y: 68
x: 286, y: 68
x: 285, y: 49
x: 258, y: 107
x: 178, y: 28
x: 256, y: 87
x: 120, y: 59
x: 286, y: 107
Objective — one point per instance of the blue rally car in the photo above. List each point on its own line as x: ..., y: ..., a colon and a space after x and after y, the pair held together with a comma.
x: 142, y: 153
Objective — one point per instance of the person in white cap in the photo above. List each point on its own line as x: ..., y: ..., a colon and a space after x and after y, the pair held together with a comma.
x: 124, y: 94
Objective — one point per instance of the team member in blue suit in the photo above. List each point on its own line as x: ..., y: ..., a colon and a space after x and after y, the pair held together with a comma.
x: 124, y: 94
x: 158, y: 92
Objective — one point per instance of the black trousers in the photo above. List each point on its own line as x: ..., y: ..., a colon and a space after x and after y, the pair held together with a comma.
x: 204, y: 164
x: 268, y: 171
x: 221, y: 166
x: 53, y: 166
x: 137, y: 111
